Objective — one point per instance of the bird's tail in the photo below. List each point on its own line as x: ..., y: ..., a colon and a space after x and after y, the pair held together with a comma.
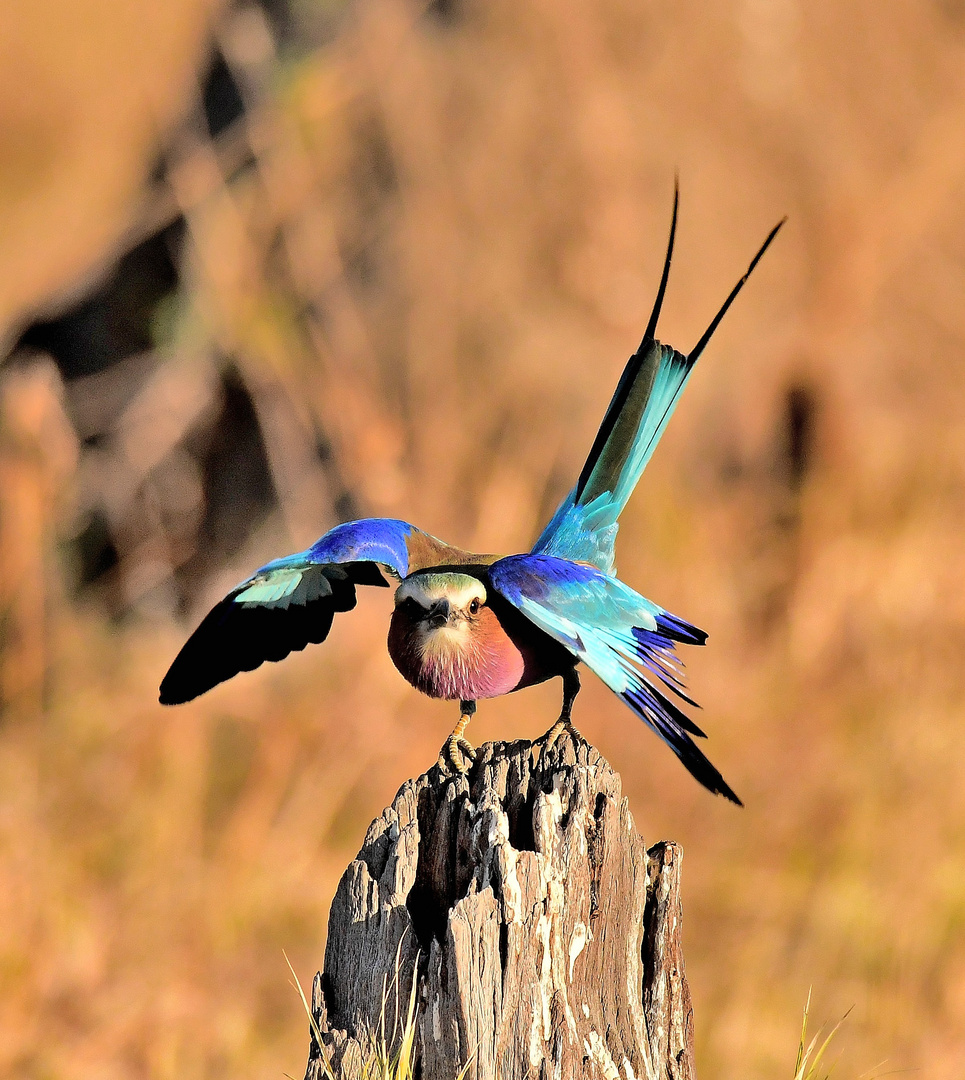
x: 585, y: 525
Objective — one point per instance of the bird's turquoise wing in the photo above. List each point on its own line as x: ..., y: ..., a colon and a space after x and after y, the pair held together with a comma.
x: 627, y: 640
x: 291, y: 602
x: 584, y: 526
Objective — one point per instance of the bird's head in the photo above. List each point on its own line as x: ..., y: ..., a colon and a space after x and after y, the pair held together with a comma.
x: 447, y: 640
x: 441, y: 605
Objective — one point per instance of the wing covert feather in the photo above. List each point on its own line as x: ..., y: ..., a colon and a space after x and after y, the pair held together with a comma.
x: 627, y: 640
x: 291, y: 602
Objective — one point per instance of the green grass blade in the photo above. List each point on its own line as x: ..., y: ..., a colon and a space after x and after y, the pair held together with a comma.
x: 311, y: 1019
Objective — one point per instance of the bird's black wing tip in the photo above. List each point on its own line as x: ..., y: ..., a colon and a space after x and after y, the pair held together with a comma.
x: 728, y: 793
x: 233, y: 638
x: 704, y: 771
x: 168, y: 697
x: 706, y: 774
x: 177, y: 689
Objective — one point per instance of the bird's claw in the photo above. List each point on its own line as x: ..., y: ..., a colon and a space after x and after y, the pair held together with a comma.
x: 457, y: 755
x: 561, y: 725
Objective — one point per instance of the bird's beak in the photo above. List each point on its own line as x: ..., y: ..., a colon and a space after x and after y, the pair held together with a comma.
x: 439, y: 613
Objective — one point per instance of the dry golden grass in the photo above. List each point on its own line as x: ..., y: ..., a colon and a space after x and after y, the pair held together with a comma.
x: 155, y: 863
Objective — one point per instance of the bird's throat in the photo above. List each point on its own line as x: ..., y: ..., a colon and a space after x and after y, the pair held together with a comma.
x: 447, y: 645
x: 455, y: 661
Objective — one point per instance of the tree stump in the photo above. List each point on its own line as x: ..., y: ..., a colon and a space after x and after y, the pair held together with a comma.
x: 543, y: 936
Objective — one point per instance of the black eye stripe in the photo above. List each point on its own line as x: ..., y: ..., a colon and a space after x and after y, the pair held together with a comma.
x: 413, y: 607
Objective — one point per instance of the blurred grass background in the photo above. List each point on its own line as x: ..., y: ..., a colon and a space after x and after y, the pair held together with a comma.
x: 263, y: 268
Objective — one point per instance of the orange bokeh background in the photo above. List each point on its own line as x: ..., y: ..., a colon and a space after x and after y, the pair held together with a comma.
x: 408, y: 273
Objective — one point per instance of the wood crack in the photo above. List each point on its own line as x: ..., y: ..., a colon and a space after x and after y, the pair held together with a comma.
x: 543, y: 937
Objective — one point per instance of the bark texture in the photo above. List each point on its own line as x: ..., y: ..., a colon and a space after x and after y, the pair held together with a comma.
x: 543, y: 936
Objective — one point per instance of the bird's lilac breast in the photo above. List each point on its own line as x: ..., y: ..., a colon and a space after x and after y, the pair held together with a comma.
x: 457, y: 667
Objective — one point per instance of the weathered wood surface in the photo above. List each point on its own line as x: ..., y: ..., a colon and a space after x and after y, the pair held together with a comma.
x: 544, y: 936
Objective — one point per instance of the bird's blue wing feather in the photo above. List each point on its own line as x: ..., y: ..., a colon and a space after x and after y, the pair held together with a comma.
x: 381, y: 540
x: 289, y: 603
x: 300, y: 578
x: 627, y: 640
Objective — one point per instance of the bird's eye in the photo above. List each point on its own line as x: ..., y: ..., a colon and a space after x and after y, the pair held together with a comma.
x: 473, y: 607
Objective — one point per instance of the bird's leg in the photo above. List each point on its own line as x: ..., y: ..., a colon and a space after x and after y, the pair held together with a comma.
x: 458, y: 753
x: 571, y: 687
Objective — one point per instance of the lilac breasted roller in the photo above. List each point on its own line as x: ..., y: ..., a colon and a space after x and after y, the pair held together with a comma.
x: 468, y: 626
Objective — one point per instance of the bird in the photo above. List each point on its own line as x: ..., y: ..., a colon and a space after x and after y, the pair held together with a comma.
x: 466, y: 626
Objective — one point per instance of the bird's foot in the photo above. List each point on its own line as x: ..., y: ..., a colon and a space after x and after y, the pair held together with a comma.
x: 457, y: 755
x: 563, y: 724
